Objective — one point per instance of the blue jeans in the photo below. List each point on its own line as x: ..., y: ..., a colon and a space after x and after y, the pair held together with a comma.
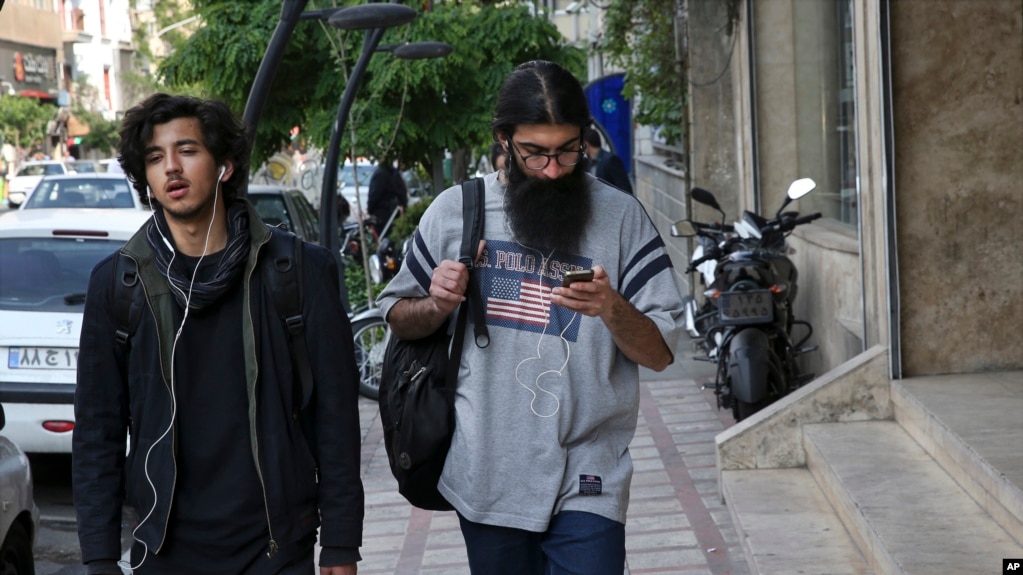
x: 575, y: 543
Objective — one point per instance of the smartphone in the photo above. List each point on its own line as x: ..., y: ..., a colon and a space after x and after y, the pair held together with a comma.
x: 577, y: 276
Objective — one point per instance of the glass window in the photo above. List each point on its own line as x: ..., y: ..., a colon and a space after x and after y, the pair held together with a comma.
x: 48, y: 274
x: 81, y: 193
x: 806, y: 105
x: 271, y: 209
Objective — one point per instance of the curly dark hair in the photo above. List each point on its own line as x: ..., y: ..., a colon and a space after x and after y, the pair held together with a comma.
x: 540, y: 92
x: 223, y: 134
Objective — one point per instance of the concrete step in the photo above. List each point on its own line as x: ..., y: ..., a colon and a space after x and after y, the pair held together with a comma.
x: 904, y: 512
x: 973, y: 427
x: 786, y: 525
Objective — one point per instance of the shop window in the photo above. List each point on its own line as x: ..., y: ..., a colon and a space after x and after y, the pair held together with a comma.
x: 806, y: 105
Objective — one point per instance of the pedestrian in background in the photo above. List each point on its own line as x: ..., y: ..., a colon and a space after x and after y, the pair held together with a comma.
x: 604, y: 164
x: 539, y: 466
x: 228, y: 470
x: 387, y: 193
x: 498, y: 157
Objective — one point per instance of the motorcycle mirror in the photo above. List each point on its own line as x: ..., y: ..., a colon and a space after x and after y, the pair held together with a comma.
x: 797, y: 189
x: 683, y: 229
x: 706, y: 198
x: 801, y: 187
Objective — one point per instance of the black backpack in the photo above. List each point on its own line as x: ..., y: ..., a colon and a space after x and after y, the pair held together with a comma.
x: 282, y: 273
x: 418, y: 379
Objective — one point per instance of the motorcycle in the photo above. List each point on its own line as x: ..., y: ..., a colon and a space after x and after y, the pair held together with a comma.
x: 746, y: 324
x: 370, y: 332
x: 385, y: 262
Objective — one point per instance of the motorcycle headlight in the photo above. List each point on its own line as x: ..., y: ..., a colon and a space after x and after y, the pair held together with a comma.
x: 376, y: 269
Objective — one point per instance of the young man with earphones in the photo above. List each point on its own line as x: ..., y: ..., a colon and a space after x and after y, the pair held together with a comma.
x: 232, y: 466
x: 539, y: 466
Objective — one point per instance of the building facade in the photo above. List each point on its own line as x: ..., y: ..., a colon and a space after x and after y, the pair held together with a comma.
x: 911, y: 123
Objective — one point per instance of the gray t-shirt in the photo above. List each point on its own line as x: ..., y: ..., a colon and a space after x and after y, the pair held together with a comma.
x: 546, y: 412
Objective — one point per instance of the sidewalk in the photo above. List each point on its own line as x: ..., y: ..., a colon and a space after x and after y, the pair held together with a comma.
x: 676, y: 522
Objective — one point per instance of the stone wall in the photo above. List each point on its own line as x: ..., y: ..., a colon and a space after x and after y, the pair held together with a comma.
x: 957, y: 92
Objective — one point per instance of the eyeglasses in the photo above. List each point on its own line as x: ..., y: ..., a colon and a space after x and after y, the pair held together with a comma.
x: 540, y: 161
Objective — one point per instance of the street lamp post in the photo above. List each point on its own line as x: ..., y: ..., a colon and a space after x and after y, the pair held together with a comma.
x: 328, y: 193
x: 374, y: 17
x: 291, y: 13
x: 354, y: 18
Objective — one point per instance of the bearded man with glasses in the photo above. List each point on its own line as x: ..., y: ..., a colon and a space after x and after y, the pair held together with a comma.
x: 539, y: 466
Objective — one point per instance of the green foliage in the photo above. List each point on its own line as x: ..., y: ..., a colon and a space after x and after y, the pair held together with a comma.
x: 102, y: 134
x: 409, y: 110
x: 23, y: 120
x: 355, y: 283
x: 407, y: 223
x: 639, y: 36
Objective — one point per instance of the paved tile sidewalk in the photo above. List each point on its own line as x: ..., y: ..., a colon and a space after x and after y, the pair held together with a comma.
x: 676, y: 521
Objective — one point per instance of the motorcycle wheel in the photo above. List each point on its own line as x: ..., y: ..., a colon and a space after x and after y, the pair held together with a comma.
x: 775, y: 384
x: 741, y: 410
x: 371, y: 336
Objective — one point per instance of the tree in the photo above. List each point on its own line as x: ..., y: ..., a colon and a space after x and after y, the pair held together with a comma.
x: 411, y: 110
x: 23, y: 120
x: 103, y: 133
x: 639, y: 36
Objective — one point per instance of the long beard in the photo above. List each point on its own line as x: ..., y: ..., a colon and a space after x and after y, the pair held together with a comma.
x: 548, y: 214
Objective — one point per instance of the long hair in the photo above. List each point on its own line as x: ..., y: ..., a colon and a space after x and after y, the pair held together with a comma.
x: 222, y: 132
x: 540, y: 92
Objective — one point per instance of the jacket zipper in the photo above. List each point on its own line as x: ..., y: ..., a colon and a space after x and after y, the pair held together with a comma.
x: 272, y: 546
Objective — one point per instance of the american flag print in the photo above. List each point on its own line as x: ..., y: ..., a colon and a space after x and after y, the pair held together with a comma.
x: 525, y: 301
x: 518, y: 297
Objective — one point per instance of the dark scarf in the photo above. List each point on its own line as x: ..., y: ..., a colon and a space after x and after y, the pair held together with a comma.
x: 231, y: 266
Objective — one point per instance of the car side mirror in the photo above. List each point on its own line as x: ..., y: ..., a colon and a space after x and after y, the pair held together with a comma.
x: 3, y: 417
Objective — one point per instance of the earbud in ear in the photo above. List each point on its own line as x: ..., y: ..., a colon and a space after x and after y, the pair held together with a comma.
x: 222, y: 170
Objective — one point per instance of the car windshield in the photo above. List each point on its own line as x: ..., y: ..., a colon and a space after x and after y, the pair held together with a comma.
x: 81, y: 193
x: 271, y: 210
x: 48, y: 274
x: 346, y: 175
x: 40, y: 170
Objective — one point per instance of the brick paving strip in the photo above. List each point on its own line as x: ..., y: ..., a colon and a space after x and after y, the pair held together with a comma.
x: 676, y: 523
x: 700, y: 547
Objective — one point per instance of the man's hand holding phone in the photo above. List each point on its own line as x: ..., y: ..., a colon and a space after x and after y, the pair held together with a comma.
x: 576, y: 276
x: 585, y: 291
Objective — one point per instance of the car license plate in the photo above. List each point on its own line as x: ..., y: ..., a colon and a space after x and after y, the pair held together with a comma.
x: 746, y: 307
x: 42, y: 358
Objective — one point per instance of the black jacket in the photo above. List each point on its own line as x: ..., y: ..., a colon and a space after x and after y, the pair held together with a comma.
x: 309, y: 479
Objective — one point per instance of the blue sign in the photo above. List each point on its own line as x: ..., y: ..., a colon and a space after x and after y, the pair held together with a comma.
x: 612, y: 113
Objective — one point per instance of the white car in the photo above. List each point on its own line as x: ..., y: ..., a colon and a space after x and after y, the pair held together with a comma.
x: 351, y: 185
x: 46, y: 257
x: 90, y: 190
x: 19, y: 519
x: 24, y: 181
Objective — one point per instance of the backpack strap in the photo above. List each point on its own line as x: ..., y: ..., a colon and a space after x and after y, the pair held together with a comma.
x: 282, y: 273
x: 125, y: 290
x: 473, y: 200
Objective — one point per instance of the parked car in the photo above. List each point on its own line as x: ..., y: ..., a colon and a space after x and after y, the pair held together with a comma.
x: 21, y: 184
x: 111, y: 166
x: 417, y: 188
x: 352, y: 179
x: 19, y: 521
x: 46, y: 257
x: 85, y: 166
x: 89, y: 190
x: 287, y: 207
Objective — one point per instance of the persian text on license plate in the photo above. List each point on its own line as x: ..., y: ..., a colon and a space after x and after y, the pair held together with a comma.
x: 42, y: 358
x: 746, y: 307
